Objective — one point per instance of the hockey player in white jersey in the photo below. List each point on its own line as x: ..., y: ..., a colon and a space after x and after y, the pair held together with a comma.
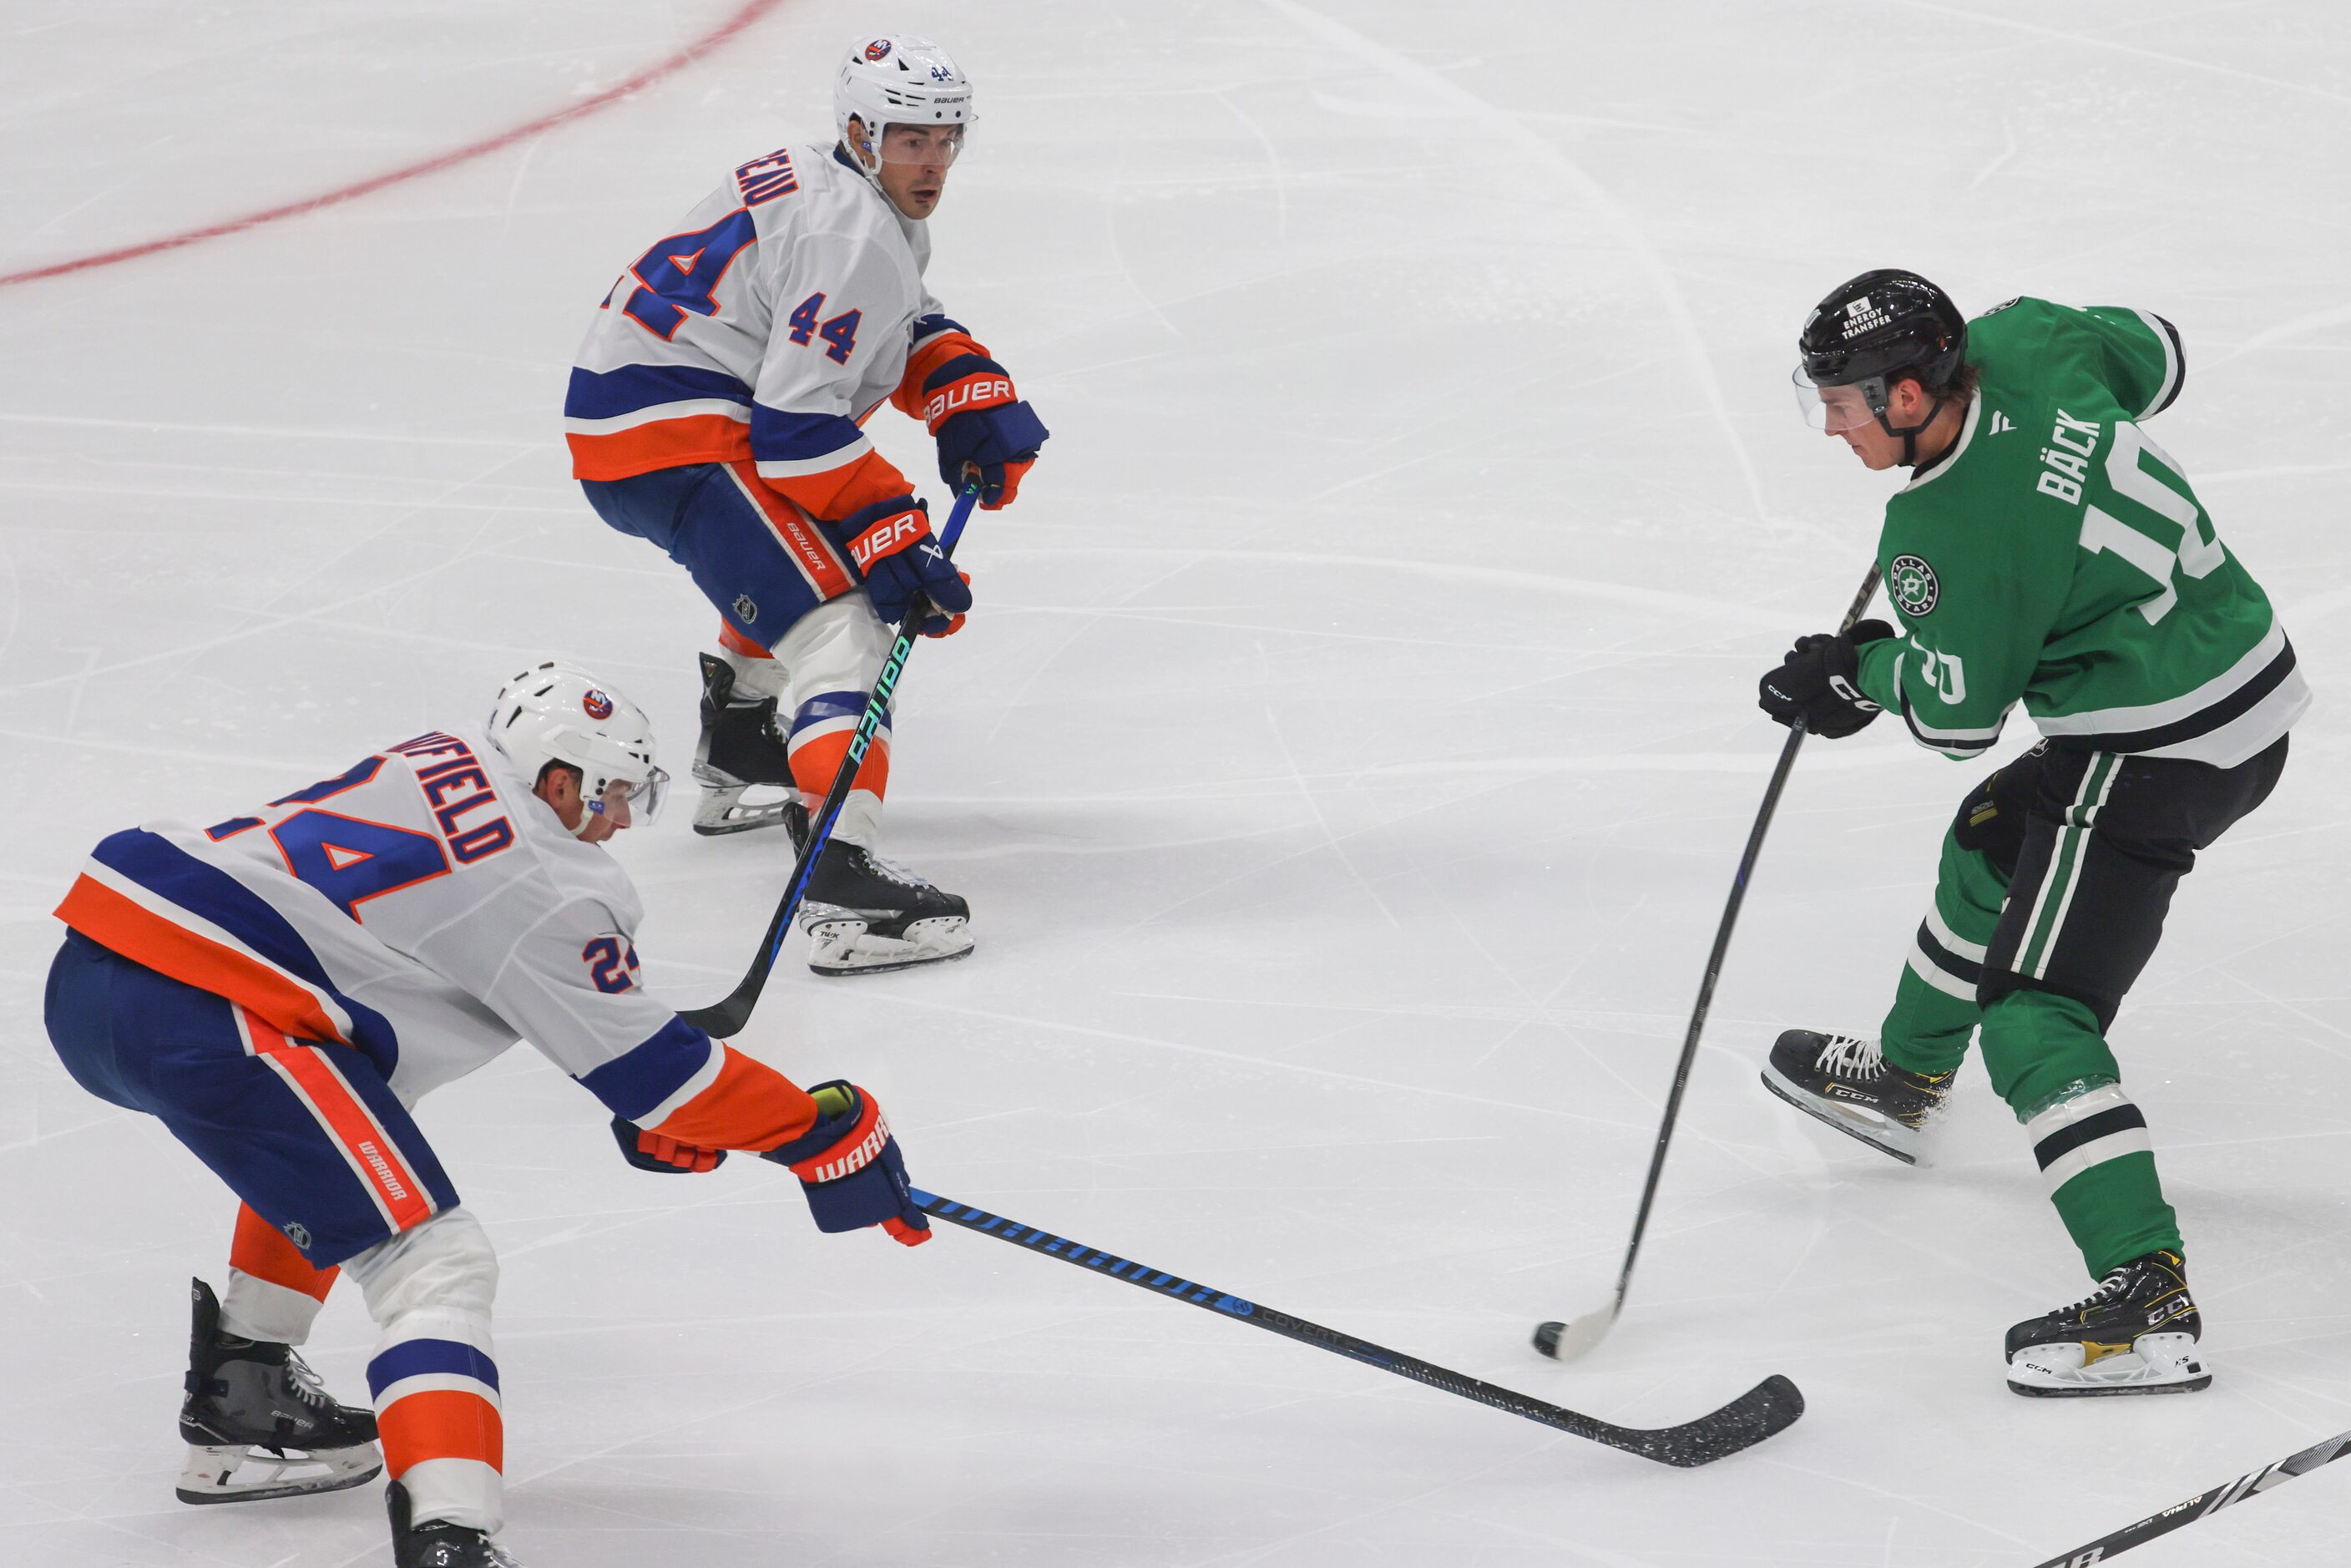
x: 280, y: 986
x: 716, y: 410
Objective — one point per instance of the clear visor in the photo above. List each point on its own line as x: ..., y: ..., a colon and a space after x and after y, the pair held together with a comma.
x: 1835, y: 408
x: 644, y: 796
x: 937, y: 146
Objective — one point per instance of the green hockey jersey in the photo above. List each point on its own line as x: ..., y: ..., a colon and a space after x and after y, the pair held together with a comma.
x: 2057, y: 556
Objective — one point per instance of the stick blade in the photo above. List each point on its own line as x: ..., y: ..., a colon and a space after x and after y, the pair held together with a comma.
x: 1765, y: 1410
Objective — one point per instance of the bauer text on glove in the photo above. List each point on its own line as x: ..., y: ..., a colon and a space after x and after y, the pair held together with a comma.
x: 1818, y: 683
x: 891, y: 548
x: 982, y: 426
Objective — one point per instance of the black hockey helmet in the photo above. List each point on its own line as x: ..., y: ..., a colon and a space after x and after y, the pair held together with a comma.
x: 1870, y: 333
x: 1881, y: 325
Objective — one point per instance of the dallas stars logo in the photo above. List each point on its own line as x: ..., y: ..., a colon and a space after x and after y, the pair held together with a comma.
x: 1912, y: 582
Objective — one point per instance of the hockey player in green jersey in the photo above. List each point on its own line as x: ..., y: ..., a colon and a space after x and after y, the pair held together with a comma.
x: 2045, y: 551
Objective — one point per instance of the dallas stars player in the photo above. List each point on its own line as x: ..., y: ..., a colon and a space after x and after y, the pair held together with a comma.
x: 2045, y: 550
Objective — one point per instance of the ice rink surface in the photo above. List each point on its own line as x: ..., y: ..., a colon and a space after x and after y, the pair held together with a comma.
x: 1345, y: 764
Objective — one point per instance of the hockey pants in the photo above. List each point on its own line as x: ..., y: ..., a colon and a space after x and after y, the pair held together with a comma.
x: 793, y: 621
x: 2055, y: 879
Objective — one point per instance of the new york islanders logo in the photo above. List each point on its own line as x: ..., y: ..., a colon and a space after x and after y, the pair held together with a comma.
x: 878, y: 50
x: 1912, y: 583
x: 598, y: 705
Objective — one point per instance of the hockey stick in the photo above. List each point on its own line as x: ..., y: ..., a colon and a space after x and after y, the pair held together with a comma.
x: 1566, y: 1341
x: 2204, y: 1504
x: 728, y: 1017
x: 1772, y: 1406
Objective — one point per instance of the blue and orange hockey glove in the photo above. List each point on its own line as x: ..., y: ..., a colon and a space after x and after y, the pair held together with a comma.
x: 891, y: 548
x: 662, y: 1154
x: 849, y: 1167
x: 981, y: 425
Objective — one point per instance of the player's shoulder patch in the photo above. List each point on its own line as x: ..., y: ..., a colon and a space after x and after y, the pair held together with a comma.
x: 1913, y: 585
x: 2005, y: 304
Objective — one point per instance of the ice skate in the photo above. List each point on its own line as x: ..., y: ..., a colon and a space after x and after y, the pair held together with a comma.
x: 258, y: 1424
x: 2135, y: 1333
x: 865, y: 916
x: 1847, y: 1083
x: 436, y: 1543
x: 740, y: 749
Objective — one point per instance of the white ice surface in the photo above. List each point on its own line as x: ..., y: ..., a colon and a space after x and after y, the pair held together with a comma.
x: 1345, y: 764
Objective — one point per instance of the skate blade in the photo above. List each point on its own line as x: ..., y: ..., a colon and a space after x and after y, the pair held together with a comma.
x: 1887, y: 1137
x: 720, y: 811
x: 236, y: 1473
x: 844, y: 943
x: 2156, y: 1364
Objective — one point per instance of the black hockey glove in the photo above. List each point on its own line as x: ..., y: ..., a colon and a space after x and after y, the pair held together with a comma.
x: 1817, y: 683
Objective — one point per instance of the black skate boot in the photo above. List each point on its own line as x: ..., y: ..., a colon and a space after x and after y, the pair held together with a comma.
x: 257, y: 1423
x: 867, y: 917
x: 2135, y: 1333
x: 740, y: 748
x: 1847, y: 1083
x: 436, y: 1543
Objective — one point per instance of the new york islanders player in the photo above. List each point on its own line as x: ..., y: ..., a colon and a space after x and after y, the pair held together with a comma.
x: 2045, y: 550
x: 279, y: 987
x: 715, y: 410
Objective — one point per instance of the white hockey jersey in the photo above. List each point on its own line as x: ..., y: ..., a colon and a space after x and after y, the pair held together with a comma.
x: 791, y: 306
x: 425, y: 909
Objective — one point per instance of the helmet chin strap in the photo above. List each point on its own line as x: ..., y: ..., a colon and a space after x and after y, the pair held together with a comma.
x: 1910, y: 433
x: 591, y: 808
x: 872, y: 172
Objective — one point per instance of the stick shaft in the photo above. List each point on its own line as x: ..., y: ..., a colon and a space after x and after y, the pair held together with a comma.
x: 1714, y: 962
x: 1756, y: 1416
x: 2204, y: 1504
x: 729, y: 1016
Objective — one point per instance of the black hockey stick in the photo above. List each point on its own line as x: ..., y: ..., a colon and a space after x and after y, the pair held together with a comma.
x: 728, y: 1017
x: 1566, y: 1341
x: 1772, y: 1406
x: 2204, y: 1504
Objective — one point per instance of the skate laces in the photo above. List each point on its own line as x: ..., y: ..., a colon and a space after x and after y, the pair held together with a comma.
x: 893, y: 870
x: 2116, y: 1281
x: 308, y: 1386
x: 448, y: 1551
x: 1849, y: 1054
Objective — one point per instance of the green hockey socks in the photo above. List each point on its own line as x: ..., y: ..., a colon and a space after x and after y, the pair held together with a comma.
x: 2045, y: 1056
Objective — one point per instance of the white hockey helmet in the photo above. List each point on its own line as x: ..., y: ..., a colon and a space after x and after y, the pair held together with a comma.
x: 555, y: 712
x: 899, y: 80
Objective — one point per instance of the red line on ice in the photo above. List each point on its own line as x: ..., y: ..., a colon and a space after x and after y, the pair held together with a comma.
x: 724, y: 32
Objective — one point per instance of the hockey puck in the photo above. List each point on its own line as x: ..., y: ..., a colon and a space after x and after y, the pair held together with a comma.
x: 1547, y: 1338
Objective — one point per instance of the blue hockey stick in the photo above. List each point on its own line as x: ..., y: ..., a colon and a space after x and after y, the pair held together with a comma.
x: 1772, y: 1406
x: 728, y: 1017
